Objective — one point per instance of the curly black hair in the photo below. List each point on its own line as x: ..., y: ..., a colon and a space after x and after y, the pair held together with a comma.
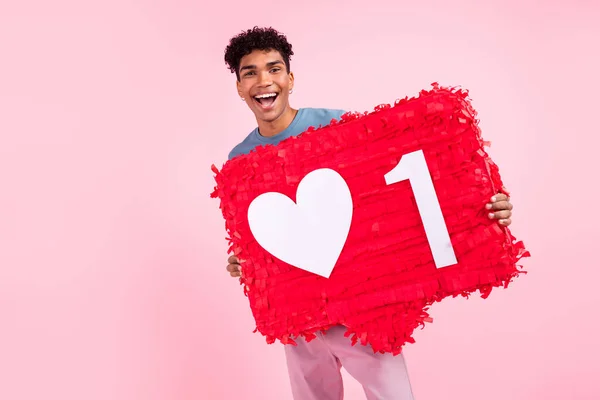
x: 256, y: 39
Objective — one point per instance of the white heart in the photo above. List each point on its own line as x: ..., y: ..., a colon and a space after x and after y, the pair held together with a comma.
x: 311, y: 233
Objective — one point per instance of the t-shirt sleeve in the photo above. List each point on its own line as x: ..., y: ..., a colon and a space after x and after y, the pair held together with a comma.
x: 244, y: 147
x: 236, y: 151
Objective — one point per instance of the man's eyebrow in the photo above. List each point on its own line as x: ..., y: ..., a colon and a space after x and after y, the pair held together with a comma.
x: 248, y: 67
x: 269, y: 64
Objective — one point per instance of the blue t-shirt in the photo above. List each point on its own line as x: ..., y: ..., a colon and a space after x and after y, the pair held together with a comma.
x: 305, y: 118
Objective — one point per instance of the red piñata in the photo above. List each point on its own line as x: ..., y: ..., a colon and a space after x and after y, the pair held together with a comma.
x: 385, y: 277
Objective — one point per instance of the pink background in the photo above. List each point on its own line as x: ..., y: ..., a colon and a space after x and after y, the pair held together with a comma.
x: 112, y: 254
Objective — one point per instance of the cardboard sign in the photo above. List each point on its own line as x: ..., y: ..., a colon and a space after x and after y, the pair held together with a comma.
x: 368, y: 221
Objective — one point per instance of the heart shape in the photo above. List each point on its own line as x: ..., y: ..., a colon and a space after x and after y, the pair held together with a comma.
x: 311, y: 233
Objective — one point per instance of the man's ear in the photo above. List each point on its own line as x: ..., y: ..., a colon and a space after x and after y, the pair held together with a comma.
x: 238, y: 87
x: 291, y: 74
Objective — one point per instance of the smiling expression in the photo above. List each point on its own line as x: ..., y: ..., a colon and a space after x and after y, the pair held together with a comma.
x: 265, y: 84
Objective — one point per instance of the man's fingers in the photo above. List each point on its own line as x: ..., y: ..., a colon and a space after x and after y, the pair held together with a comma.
x: 505, y: 222
x: 499, y: 197
x: 233, y: 268
x: 500, y: 205
x: 504, y: 214
x: 233, y: 260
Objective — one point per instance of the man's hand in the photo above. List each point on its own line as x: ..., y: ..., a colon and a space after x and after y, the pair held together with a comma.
x: 500, y: 208
x: 234, y: 267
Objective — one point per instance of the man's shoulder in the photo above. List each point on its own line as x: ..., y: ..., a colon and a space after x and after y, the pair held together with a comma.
x: 323, y: 115
x: 245, y: 146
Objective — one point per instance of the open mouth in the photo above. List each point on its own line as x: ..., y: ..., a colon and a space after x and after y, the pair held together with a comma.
x: 267, y: 100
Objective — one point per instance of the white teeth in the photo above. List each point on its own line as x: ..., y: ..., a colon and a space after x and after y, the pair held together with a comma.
x: 264, y: 96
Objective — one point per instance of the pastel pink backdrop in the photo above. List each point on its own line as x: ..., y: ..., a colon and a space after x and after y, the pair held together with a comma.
x: 112, y: 254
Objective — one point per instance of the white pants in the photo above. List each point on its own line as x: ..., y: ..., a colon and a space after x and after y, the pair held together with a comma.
x: 315, y: 369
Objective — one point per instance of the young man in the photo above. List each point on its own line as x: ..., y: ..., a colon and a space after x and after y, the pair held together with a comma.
x: 260, y: 58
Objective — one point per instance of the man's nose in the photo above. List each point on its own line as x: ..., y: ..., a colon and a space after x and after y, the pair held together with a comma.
x: 264, y: 79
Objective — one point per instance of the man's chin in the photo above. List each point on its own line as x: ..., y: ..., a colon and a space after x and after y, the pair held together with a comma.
x: 267, y: 116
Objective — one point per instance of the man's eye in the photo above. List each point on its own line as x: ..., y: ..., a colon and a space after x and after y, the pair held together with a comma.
x: 249, y: 73
x: 276, y: 70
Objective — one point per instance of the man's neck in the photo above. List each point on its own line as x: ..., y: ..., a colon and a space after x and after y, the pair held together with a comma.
x: 272, y: 128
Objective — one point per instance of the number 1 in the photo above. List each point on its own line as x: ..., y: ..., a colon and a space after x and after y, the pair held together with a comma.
x: 412, y: 166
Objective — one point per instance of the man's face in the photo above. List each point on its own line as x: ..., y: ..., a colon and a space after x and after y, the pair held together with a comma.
x: 265, y: 84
